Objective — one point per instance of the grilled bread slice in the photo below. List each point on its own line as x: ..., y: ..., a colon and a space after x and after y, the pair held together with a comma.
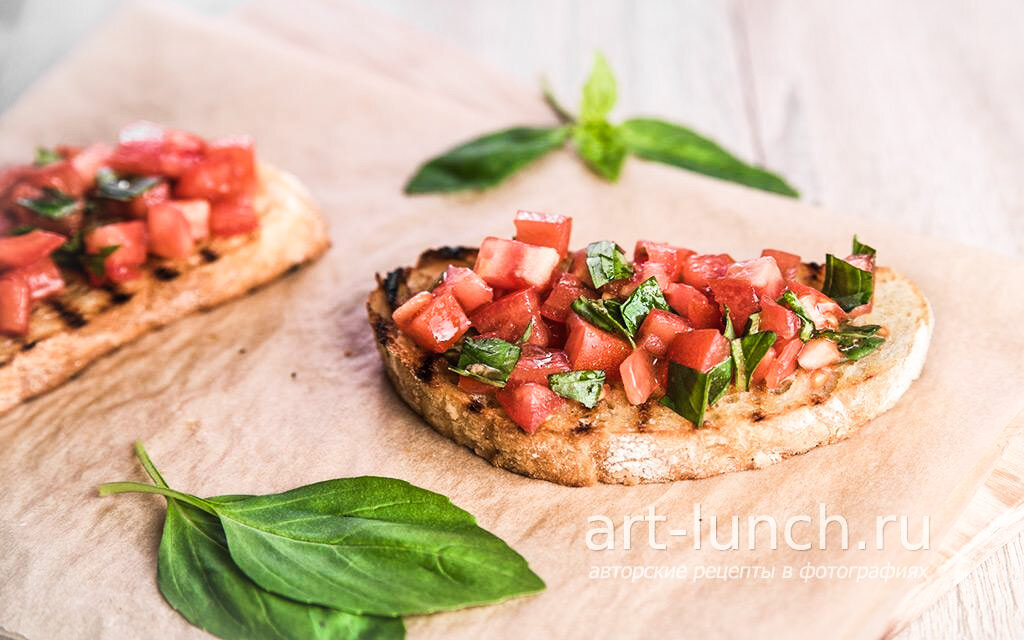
x: 616, y: 442
x: 71, y: 330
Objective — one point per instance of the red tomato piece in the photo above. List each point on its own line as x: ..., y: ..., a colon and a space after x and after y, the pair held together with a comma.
x: 508, y: 317
x: 23, y: 250
x: 818, y: 353
x: 763, y: 275
x: 579, y: 268
x: 536, y: 364
x: 130, y: 239
x: 777, y: 318
x: 529, y: 404
x: 661, y: 373
x: 822, y: 310
x: 145, y: 148
x: 789, y: 263
x: 638, y: 376
x: 694, y: 306
x: 762, y: 368
x: 557, y: 334
x: 567, y: 288
x: 591, y: 348
x: 470, y: 385
x: 405, y: 313
x: 197, y: 215
x: 169, y: 233
x: 739, y: 296
x: 139, y: 207
x: 509, y: 264
x: 15, y: 305
x: 698, y: 269
x: 659, y: 329
x: 42, y: 277
x: 783, y: 363
x: 232, y: 217
x: 645, y: 272
x: 89, y: 160
x: 439, y: 324
x: 228, y: 168
x: 469, y: 289
x: 544, y: 230
x: 700, y: 349
x: 661, y: 253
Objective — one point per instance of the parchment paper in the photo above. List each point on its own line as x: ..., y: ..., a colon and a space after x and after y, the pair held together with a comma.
x: 214, y: 398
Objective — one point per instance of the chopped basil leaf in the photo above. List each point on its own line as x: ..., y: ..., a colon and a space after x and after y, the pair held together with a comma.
x: 846, y: 284
x: 526, y: 334
x: 124, y: 189
x: 691, y: 392
x: 584, y: 387
x: 861, y: 249
x: 22, y: 230
x: 603, y: 314
x: 855, y: 341
x: 730, y: 331
x: 96, y: 263
x: 489, y: 360
x: 46, y: 156
x: 53, y: 204
x: 644, y: 298
x: 753, y: 323
x: 791, y: 302
x: 607, y: 262
x: 747, y: 353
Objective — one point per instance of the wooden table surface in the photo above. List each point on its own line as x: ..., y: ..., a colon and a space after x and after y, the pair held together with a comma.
x: 911, y: 112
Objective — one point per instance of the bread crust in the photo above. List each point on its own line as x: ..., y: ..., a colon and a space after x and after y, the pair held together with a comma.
x: 83, y: 323
x: 620, y: 443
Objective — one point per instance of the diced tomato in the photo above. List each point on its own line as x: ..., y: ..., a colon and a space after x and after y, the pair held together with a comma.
x: 822, y: 310
x: 777, y: 318
x: 544, y: 230
x: 645, y: 272
x: 469, y: 289
x: 638, y: 377
x: 661, y: 373
x: 700, y: 349
x: 694, y: 306
x: 558, y: 332
x: 659, y: 329
x: 130, y: 238
x: 15, y: 305
x: 508, y: 317
x: 62, y: 176
x: 763, y: 275
x: 739, y: 296
x: 169, y: 233
x: 145, y: 148
x: 139, y: 207
x: 508, y: 264
x: 405, y: 313
x: 762, y: 368
x: 783, y: 363
x: 21, y: 251
x: 672, y: 258
x: 591, y: 348
x: 89, y: 160
x: 228, y: 168
x: 529, y: 405
x: 439, y: 324
x: 536, y: 364
x: 567, y: 288
x: 789, y: 263
x: 232, y: 217
x: 42, y: 277
x: 698, y: 269
x: 818, y: 353
x: 197, y: 215
x: 471, y: 385
x: 863, y: 261
x: 579, y: 268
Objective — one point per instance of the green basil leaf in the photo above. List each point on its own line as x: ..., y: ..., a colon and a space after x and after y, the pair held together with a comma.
x: 22, y: 230
x: 747, y: 353
x: 691, y: 392
x: 603, y: 314
x: 485, y: 161
x: 599, y: 92
x: 861, y: 249
x: 791, y: 302
x: 601, y: 147
x: 607, y: 262
x: 848, y: 285
x: 645, y: 297
x: 95, y: 263
x: 585, y: 387
x: 124, y: 189
x: 53, y: 204
x: 753, y: 323
x: 855, y: 341
x: 489, y: 360
x: 730, y: 330
x: 678, y: 146
x: 46, y: 156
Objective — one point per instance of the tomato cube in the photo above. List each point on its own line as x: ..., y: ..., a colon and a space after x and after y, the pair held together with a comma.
x: 15, y: 305
x: 698, y: 269
x: 89, y: 160
x: 42, y: 277
x: 789, y: 263
x: 471, y: 385
x: 469, y: 289
x: 228, y: 168
x: 762, y: 368
x: 439, y: 324
x: 169, y: 233
x: 567, y: 288
x: 23, y: 250
x: 638, y: 377
x: 509, y: 264
x: 148, y: 149
x: 129, y: 238
x: 232, y: 217
x: 536, y: 364
x: 763, y: 275
x: 694, y: 306
x: 777, y: 318
x: 405, y: 313
x: 645, y: 272
x: 197, y: 215
x: 661, y: 373
x: 508, y: 318
x: 578, y: 267
x: 659, y: 329
x: 700, y: 349
x: 818, y: 353
x: 822, y: 310
x: 529, y: 404
x: 661, y: 253
x: 544, y: 230
x: 783, y: 363
x: 739, y: 296
x: 591, y: 348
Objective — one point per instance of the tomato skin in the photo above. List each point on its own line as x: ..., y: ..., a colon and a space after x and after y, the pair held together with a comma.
x: 529, y: 404
x: 227, y: 169
x: 638, y: 376
x: 644, y: 272
x: 409, y: 309
x: 783, y: 363
x: 544, y: 230
x: 762, y: 273
x: 775, y: 317
x: 21, y: 251
x: 15, y: 305
x: 591, y: 348
x: 659, y: 329
x: 739, y: 296
x: 700, y: 349
x: 671, y: 258
x: 169, y: 233
x: 121, y: 265
x: 42, y: 277
x: 788, y: 263
x: 693, y: 305
x: 439, y: 324
x: 824, y: 311
x: 508, y: 317
x: 469, y: 385
x: 818, y: 353
x: 509, y: 264
x: 145, y: 148
x: 536, y: 364
x: 469, y: 289
x: 698, y: 269
x: 762, y: 368
x: 232, y: 217
x: 567, y: 288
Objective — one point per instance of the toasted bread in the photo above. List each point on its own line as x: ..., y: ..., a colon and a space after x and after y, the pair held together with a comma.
x: 616, y: 442
x: 71, y: 330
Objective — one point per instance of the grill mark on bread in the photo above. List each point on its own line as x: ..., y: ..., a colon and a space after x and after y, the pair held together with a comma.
x: 165, y: 273
x: 391, y: 284
x: 28, y: 346
x: 757, y: 416
x: 209, y: 255
x: 117, y: 296
x: 382, y: 333
x: 643, y: 416
x: 455, y: 254
x: 474, y: 405
x: 582, y: 427
x: 71, y: 317
x: 425, y: 371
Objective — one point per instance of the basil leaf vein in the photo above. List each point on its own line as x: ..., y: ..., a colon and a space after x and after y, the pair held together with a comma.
x: 585, y: 387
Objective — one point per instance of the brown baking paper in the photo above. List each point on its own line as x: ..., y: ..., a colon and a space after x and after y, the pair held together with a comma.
x: 284, y: 387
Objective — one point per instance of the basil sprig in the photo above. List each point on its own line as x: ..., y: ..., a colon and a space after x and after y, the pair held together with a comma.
x: 489, y: 360
x: 691, y: 392
x: 747, y: 353
x: 848, y: 285
x: 53, y: 204
x: 791, y: 302
x: 606, y: 262
x: 325, y: 560
x: 855, y: 341
x: 122, y: 188
x: 602, y: 145
x: 584, y: 386
x: 603, y: 314
x: 46, y: 156
x: 645, y: 297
